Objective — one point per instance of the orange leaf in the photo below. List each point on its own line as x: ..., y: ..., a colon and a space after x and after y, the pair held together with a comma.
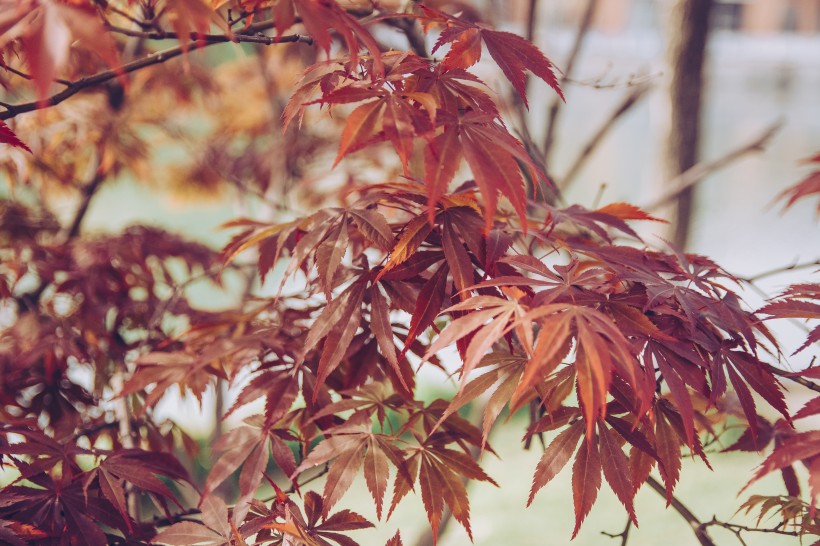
x: 626, y: 211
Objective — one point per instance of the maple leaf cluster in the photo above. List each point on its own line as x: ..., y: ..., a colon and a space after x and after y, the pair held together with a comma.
x: 623, y: 356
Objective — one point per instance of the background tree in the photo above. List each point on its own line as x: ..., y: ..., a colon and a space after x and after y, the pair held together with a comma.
x: 688, y: 29
x: 420, y: 238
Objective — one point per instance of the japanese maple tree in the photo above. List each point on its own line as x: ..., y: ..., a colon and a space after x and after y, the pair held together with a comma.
x: 404, y: 216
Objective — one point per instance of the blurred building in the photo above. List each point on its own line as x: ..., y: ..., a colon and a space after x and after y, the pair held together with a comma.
x: 751, y: 16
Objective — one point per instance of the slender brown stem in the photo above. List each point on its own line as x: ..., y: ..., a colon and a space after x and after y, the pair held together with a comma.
x: 30, y: 300
x: 555, y: 107
x: 701, y: 170
x: 783, y: 269
x: 105, y: 6
x: 632, y: 98
x: 697, y: 526
x: 415, y: 39
x: 599, y: 83
x: 88, y: 193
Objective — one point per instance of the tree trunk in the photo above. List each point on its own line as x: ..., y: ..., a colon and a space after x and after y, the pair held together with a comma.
x: 687, y: 31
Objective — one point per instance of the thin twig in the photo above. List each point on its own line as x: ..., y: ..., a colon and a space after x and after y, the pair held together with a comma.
x: 694, y: 175
x: 106, y: 6
x: 155, y: 58
x: 629, y: 101
x: 783, y: 269
x: 181, y: 516
x: 600, y: 83
x: 624, y: 535
x: 554, y: 110
x: 252, y: 34
x: 697, y: 526
x: 735, y: 528
x: 29, y: 77
x: 415, y: 39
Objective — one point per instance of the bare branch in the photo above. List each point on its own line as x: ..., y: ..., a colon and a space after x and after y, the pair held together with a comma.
x: 583, y: 30
x: 415, y: 39
x: 633, y: 80
x: 88, y: 192
x: 106, y: 6
x: 782, y: 269
x: 697, y: 526
x: 155, y: 58
x: 694, y: 175
x: 629, y: 101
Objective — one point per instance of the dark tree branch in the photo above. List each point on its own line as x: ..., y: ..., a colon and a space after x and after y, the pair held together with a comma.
x: 697, y: 526
x: 155, y: 58
x: 30, y: 300
x: 698, y: 172
x: 415, y: 39
x: 554, y: 110
x: 631, y: 99
x: 88, y: 192
x: 253, y: 34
